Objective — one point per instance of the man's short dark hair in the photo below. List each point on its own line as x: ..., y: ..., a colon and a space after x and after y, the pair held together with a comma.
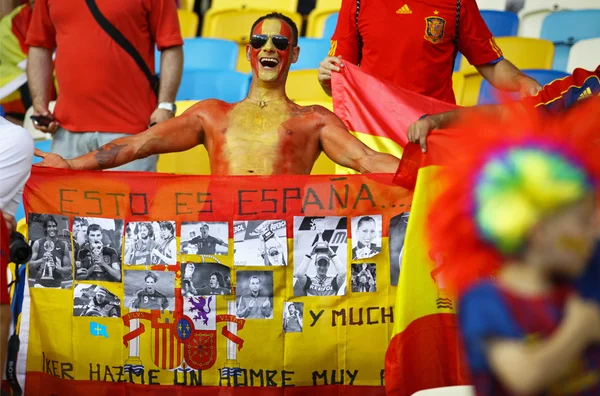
x: 281, y: 17
x: 148, y: 227
x: 219, y: 276
x: 151, y: 275
x: 167, y: 225
x: 48, y: 219
x: 93, y: 227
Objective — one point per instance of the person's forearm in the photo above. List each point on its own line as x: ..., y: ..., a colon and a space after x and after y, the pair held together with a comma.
x: 377, y: 163
x: 113, y: 272
x: 531, y: 369
x: 502, y: 75
x: 171, y: 67
x: 326, y: 88
x: 39, y: 76
x: 303, y: 267
x: 339, y: 267
x: 111, y: 155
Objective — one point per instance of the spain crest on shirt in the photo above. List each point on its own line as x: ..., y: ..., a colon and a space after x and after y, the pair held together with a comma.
x: 434, y: 29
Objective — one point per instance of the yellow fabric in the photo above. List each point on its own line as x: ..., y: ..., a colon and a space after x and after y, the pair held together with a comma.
x: 377, y: 143
x: 235, y: 24
x: 188, y: 23
x: 304, y: 85
x: 279, y: 5
x: 420, y: 291
x: 10, y: 54
x: 458, y: 86
x: 187, y: 5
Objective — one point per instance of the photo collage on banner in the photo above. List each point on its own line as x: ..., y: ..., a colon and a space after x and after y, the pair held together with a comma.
x: 367, y: 233
x: 152, y: 290
x: 95, y: 300
x: 205, y: 238
x: 320, y: 256
x: 254, y: 294
x: 150, y: 243
x: 293, y: 314
x: 397, y: 234
x: 260, y: 243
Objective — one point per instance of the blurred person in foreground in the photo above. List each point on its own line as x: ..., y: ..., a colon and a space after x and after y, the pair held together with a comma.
x: 516, y: 228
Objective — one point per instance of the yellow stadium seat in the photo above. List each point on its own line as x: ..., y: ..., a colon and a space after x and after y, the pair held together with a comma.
x: 525, y: 53
x: 458, y: 86
x: 278, y: 5
x: 316, y: 19
x: 188, y: 23
x: 303, y: 85
x: 191, y: 162
x: 470, y: 94
x: 187, y: 5
x: 22, y: 227
x: 235, y: 24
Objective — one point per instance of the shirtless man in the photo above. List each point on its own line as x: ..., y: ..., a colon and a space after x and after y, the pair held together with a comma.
x: 264, y: 134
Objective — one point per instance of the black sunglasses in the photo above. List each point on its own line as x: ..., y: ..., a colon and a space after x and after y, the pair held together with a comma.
x: 258, y: 41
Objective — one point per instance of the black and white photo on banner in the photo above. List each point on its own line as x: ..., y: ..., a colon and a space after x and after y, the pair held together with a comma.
x: 366, y: 236
x: 153, y: 290
x: 95, y: 300
x: 254, y: 294
x: 150, y: 243
x: 205, y: 238
x: 260, y: 243
x: 320, y: 255
x: 98, y: 257
x: 204, y: 279
x: 293, y: 315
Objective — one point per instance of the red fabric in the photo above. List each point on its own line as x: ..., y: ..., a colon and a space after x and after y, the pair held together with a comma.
x: 382, y: 110
x: 398, y: 49
x: 467, y: 257
x: 101, y: 86
x: 20, y: 25
x: 432, y: 345
x: 4, y: 260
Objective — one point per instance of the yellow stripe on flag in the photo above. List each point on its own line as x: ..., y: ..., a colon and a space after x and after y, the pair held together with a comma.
x: 377, y: 143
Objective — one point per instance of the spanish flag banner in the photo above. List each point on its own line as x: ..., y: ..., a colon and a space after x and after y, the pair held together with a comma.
x: 377, y: 113
x: 146, y: 283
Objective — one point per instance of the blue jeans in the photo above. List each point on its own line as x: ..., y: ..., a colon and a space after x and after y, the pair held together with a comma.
x: 74, y: 144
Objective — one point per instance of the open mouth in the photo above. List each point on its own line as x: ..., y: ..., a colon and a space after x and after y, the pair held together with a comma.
x: 269, y: 63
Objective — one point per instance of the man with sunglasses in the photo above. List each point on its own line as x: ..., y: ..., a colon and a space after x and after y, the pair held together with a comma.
x: 264, y: 134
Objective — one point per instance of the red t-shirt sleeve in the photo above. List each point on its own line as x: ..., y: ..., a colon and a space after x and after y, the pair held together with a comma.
x: 345, y: 41
x: 476, y: 42
x: 4, y: 260
x: 41, y: 31
x: 164, y: 24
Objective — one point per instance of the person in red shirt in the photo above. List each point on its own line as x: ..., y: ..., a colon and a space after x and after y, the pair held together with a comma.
x: 555, y: 97
x: 103, y: 93
x: 413, y: 45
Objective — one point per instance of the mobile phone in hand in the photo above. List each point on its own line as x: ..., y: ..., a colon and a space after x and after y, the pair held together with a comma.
x: 42, y: 120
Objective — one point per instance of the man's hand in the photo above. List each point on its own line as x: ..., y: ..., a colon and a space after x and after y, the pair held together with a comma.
x: 160, y: 115
x: 528, y: 86
x: 52, y: 160
x: 43, y: 111
x: 418, y: 131
x: 584, y: 318
x: 251, y: 303
x: 266, y: 303
x: 10, y: 221
x: 327, y: 65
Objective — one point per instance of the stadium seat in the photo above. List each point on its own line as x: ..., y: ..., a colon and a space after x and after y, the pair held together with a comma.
x: 565, y: 28
x: 229, y: 86
x: 490, y: 95
x: 498, y: 5
x: 191, y: 162
x: 458, y: 86
x: 279, y: 5
x: 535, y: 11
x: 584, y: 54
x: 201, y: 53
x: 303, y: 85
x: 462, y: 390
x: 330, y: 24
x: 312, y: 52
x: 187, y: 5
x: 2, y: 111
x: 501, y: 23
x: 188, y: 23
x: 315, y: 25
x: 235, y: 24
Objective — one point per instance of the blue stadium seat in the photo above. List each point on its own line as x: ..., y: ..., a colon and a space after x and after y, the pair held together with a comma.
x: 206, y: 53
x: 489, y: 95
x: 500, y: 23
x: 229, y: 86
x: 565, y: 28
x: 312, y: 52
x: 330, y: 24
x: 2, y: 111
x: 43, y: 145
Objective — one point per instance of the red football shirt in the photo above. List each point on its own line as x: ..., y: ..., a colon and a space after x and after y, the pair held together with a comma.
x: 410, y: 43
x: 4, y: 260
x: 565, y: 92
x: 101, y: 88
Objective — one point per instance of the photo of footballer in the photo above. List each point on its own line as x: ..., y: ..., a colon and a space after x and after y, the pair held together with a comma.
x: 204, y: 238
x: 150, y: 243
x: 153, y: 290
x: 363, y: 278
x: 94, y: 300
x: 320, y: 256
x: 254, y: 294
x: 292, y: 317
x: 260, y: 243
x: 99, y: 257
x: 366, y: 236
x: 205, y: 279
x: 50, y: 264
x: 397, y: 235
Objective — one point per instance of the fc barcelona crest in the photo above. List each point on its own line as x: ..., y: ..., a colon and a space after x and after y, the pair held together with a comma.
x: 434, y: 29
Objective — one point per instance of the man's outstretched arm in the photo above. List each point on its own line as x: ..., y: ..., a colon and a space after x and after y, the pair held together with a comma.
x: 346, y: 150
x: 177, y: 134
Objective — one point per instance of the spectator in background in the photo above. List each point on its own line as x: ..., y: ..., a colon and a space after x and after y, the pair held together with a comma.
x: 414, y: 47
x: 103, y: 92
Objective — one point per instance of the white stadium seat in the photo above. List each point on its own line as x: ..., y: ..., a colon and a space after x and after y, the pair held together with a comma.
x: 464, y: 390
x: 533, y: 13
x: 499, y: 5
x: 584, y: 54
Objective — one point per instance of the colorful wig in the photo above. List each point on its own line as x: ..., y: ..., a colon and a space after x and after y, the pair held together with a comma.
x: 509, y: 175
